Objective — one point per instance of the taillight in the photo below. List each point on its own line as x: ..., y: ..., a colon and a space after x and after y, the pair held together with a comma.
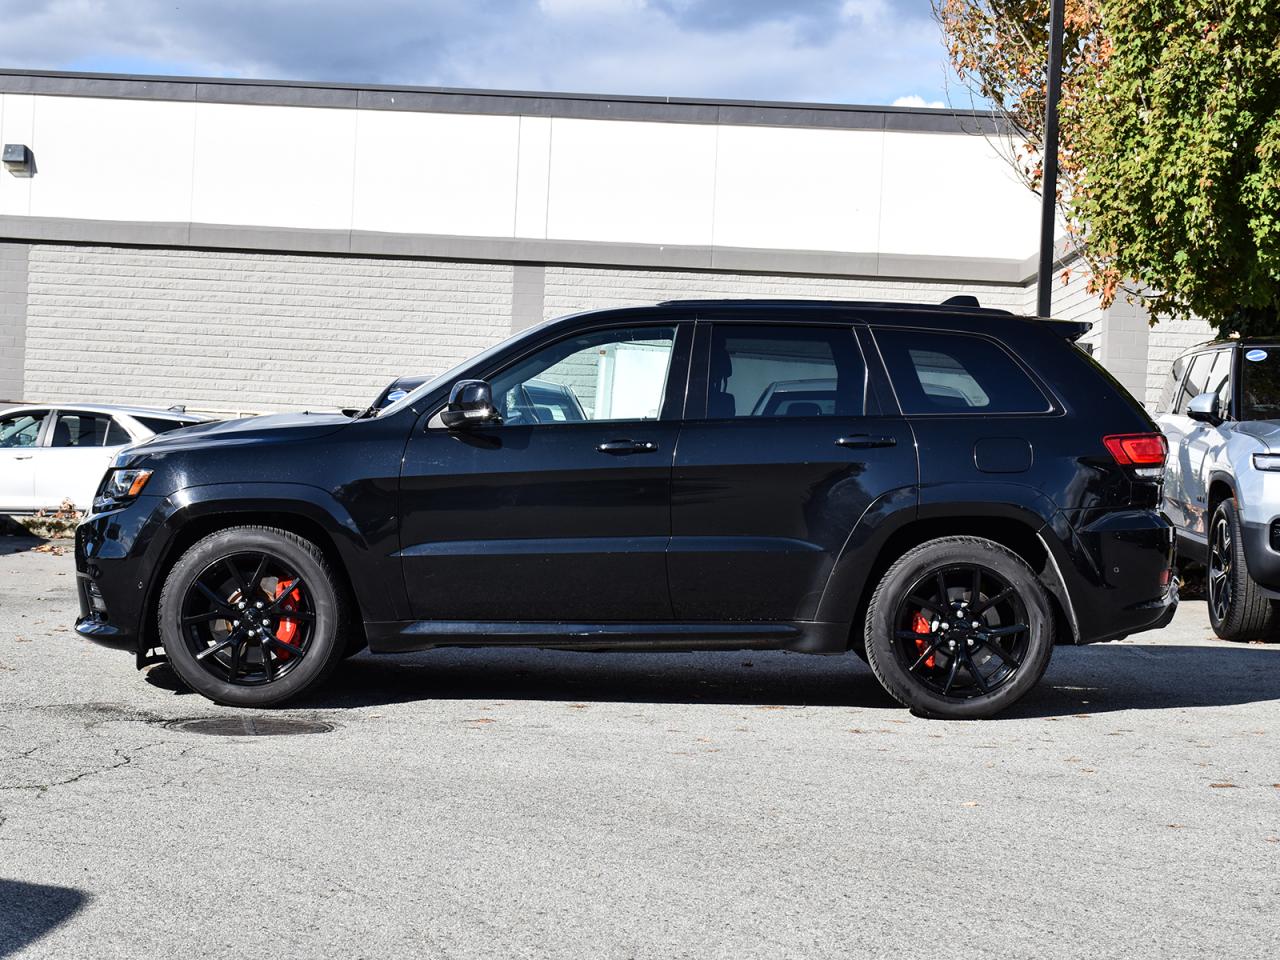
x: 1145, y: 452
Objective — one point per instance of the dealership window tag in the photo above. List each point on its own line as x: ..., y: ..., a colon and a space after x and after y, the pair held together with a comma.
x: 1256, y: 355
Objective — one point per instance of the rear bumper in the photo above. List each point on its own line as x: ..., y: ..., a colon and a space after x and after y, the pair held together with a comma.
x: 1119, y: 573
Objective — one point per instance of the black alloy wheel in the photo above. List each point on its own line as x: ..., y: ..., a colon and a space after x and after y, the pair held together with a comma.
x: 1221, y: 586
x: 247, y: 618
x: 959, y: 628
x: 963, y: 630
x: 1238, y: 609
x: 252, y: 616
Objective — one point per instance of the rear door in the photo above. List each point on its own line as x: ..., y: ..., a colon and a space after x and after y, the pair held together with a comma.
x: 20, y: 435
x: 766, y: 494
x: 79, y: 448
x: 1204, y: 444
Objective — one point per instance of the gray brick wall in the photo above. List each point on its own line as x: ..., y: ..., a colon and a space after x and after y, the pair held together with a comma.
x: 571, y: 288
x: 229, y: 331
x: 249, y: 331
x: 13, y: 319
x: 1168, y: 339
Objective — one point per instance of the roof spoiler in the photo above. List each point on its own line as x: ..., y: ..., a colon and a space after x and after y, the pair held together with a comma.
x: 1071, y: 330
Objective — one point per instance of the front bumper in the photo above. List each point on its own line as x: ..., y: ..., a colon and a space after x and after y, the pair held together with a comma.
x: 113, y: 552
x: 1261, y: 555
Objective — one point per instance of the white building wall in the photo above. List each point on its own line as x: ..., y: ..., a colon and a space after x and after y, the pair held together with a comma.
x: 544, y: 178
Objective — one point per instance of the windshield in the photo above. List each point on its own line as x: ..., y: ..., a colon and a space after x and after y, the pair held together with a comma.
x: 1260, y: 383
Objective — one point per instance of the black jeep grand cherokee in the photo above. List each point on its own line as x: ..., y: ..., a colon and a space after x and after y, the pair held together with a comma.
x: 946, y: 490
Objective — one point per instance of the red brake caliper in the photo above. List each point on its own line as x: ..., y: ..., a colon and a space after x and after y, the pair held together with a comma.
x: 288, y: 629
x: 920, y: 624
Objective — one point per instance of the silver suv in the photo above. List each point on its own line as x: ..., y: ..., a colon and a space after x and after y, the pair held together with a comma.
x: 1220, y: 410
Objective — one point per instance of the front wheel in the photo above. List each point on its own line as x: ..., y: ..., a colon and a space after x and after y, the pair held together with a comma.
x: 959, y: 628
x: 252, y: 616
x: 1238, y: 609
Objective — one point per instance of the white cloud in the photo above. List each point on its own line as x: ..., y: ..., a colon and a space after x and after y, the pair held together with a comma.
x: 915, y: 100
x: 589, y: 8
x: 842, y: 51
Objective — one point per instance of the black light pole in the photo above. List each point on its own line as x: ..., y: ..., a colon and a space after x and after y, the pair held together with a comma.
x: 1049, y: 182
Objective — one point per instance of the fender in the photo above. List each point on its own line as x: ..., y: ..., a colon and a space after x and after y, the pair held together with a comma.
x: 952, y: 502
x: 364, y: 548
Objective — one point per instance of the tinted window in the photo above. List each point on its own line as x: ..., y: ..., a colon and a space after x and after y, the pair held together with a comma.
x: 606, y: 375
x: 80, y: 430
x: 1260, y: 383
x: 1219, y: 380
x: 1197, y: 377
x: 117, y: 435
x: 160, y: 425
x: 785, y: 371
x: 956, y: 373
x: 22, y: 430
x: 1171, y: 384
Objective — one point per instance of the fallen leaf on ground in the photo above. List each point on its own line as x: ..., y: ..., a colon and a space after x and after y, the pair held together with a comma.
x: 1223, y: 785
x: 481, y: 720
x: 969, y: 803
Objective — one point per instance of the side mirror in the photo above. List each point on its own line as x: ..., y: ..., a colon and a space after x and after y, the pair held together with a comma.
x: 470, y: 405
x: 1204, y: 407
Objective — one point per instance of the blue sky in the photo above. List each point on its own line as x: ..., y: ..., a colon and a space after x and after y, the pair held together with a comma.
x: 845, y: 51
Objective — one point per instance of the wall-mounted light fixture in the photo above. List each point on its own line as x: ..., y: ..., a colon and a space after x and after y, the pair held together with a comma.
x: 19, y: 160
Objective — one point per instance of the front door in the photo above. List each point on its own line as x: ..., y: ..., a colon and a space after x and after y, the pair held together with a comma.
x: 19, y: 444
x: 779, y: 461
x: 562, y: 512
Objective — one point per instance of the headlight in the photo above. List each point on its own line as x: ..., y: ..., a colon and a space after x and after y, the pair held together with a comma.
x: 1267, y: 461
x: 123, y: 484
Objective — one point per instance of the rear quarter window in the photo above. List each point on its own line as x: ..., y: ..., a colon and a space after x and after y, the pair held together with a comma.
x: 936, y: 372
x: 161, y: 425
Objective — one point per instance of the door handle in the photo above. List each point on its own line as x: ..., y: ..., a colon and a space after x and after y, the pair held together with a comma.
x: 627, y: 446
x: 862, y: 441
x: 23, y: 456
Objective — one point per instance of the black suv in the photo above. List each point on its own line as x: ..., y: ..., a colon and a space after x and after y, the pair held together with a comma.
x: 946, y: 490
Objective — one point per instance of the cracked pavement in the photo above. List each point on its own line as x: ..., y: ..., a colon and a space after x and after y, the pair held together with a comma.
x: 538, y: 804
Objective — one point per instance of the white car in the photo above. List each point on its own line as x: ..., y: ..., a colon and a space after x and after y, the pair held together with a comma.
x: 58, y: 452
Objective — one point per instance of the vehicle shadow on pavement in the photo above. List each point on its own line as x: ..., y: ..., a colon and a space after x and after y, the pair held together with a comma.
x: 30, y: 910
x: 1151, y: 676
x: 18, y: 544
x: 1095, y: 679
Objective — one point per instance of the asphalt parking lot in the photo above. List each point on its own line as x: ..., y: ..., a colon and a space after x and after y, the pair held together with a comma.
x: 540, y: 804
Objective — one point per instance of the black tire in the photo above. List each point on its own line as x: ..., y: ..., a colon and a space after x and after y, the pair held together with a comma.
x: 1238, y: 609
x: 326, y: 630
x: 995, y: 663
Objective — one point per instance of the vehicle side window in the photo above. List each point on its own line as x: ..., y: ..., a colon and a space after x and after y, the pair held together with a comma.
x: 956, y: 373
x: 1171, y: 385
x: 1197, y: 377
x: 1219, y: 381
x: 22, y: 430
x: 785, y: 371
x: 80, y: 430
x: 160, y: 425
x: 618, y: 374
x: 117, y: 435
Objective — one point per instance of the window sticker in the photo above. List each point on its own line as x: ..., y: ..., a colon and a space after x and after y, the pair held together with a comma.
x: 395, y: 395
x: 1256, y: 355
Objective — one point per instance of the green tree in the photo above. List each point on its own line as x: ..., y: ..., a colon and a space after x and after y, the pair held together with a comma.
x: 1178, y: 150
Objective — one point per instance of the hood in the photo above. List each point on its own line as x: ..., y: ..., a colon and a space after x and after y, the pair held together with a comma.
x: 274, y: 428
x: 1265, y: 431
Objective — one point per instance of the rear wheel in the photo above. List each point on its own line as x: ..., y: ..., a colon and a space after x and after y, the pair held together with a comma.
x: 1238, y: 609
x: 959, y: 628
x: 252, y: 616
